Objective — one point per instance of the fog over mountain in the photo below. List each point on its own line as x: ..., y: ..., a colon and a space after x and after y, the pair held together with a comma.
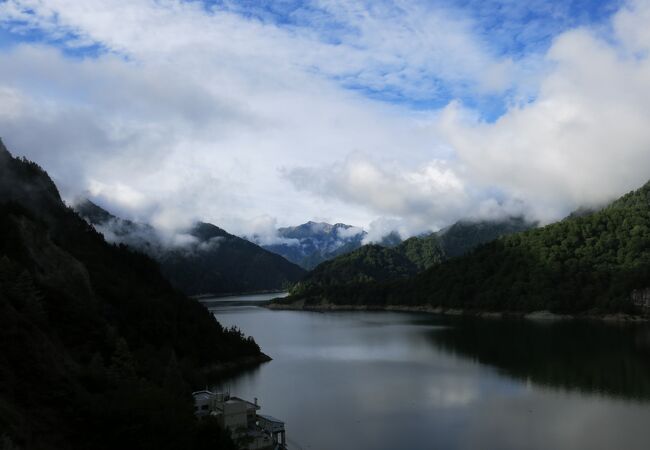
x: 200, y: 259
x: 389, y: 115
x: 312, y: 243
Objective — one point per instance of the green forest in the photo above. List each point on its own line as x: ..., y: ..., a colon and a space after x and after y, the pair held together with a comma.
x: 382, y: 263
x: 588, y: 263
x: 217, y: 262
x: 97, y: 350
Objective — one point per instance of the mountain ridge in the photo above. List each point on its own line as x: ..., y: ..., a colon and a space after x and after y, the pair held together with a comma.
x: 410, y: 257
x: 589, y: 264
x: 209, y: 260
x: 311, y: 243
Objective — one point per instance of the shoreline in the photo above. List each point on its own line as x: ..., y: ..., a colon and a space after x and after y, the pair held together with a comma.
x: 543, y: 316
x: 244, y: 362
x: 236, y: 294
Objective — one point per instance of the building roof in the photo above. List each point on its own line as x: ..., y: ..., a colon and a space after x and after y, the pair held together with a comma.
x: 249, y: 404
x: 270, y: 419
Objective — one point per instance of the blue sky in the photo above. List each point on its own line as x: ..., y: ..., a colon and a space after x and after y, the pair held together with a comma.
x: 511, y: 28
x: 389, y: 114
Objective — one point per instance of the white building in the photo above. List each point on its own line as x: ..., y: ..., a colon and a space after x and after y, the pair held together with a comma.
x: 259, y: 432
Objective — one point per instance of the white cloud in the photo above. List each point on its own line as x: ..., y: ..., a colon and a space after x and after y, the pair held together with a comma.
x: 349, y: 233
x: 218, y: 162
x: 427, y: 196
x: 263, y: 230
x: 209, y: 114
x: 400, y: 45
x: 584, y: 140
x: 408, y: 46
x: 383, y: 226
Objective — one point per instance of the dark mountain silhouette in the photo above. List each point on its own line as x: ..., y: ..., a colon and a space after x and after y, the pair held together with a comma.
x: 97, y: 350
x: 595, y: 263
x: 384, y: 263
x: 209, y: 260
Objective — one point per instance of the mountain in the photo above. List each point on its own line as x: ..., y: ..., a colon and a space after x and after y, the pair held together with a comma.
x: 203, y: 259
x: 374, y: 263
x: 311, y: 243
x: 368, y: 263
x: 97, y: 350
x: 392, y: 239
x: 596, y: 263
x: 384, y: 263
x: 465, y: 235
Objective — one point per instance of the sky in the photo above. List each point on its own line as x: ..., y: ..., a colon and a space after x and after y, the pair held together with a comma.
x: 401, y: 115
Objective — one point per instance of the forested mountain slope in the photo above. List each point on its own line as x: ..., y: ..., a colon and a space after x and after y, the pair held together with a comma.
x: 208, y: 261
x: 97, y: 350
x: 378, y: 263
x: 581, y: 264
x: 465, y: 235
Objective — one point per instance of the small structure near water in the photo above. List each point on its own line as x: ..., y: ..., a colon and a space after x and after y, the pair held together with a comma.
x: 239, y: 416
x: 641, y: 298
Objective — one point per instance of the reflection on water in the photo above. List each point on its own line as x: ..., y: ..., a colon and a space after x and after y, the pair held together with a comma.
x: 357, y: 380
x: 593, y: 357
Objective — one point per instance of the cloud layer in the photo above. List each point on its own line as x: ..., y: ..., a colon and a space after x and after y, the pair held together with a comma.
x: 358, y: 112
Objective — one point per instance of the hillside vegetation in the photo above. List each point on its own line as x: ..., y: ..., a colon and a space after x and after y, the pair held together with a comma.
x: 212, y: 261
x: 588, y: 263
x: 373, y: 263
x: 97, y: 351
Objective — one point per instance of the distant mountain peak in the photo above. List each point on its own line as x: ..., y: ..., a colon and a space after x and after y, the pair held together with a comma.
x: 311, y: 243
x: 314, y: 228
x: 92, y: 212
x: 205, y: 231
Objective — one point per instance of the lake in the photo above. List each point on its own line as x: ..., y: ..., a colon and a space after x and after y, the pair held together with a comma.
x: 384, y: 380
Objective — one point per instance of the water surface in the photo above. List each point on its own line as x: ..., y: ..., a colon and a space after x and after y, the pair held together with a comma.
x: 382, y: 380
